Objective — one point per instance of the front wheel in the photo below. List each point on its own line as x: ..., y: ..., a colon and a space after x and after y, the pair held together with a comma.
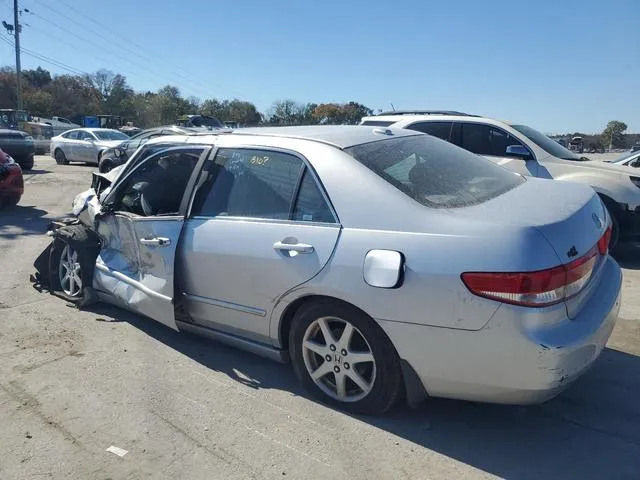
x: 105, y: 165
x: 344, y: 358
x: 67, y: 273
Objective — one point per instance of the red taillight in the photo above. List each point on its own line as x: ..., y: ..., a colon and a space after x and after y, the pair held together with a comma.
x: 603, y: 243
x: 541, y: 288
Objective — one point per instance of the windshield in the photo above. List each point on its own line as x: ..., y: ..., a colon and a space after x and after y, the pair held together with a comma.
x: 550, y: 146
x: 110, y: 135
x: 434, y: 172
x: 204, y: 121
x: 623, y: 158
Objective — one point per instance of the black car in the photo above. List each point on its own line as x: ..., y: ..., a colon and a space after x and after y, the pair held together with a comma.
x: 19, y: 145
x: 113, y: 157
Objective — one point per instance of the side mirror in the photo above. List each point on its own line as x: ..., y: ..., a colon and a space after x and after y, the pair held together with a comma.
x: 518, y: 151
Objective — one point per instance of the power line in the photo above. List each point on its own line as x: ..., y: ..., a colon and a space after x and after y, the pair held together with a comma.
x: 44, y: 58
x: 126, y: 47
x: 147, y: 73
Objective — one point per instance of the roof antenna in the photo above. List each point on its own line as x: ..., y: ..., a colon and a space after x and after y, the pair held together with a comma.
x: 392, y: 107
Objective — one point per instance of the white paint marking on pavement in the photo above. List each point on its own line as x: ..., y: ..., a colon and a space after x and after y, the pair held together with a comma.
x: 121, y: 452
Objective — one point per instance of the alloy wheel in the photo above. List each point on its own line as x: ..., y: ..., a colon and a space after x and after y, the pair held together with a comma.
x: 69, y: 272
x: 339, y: 359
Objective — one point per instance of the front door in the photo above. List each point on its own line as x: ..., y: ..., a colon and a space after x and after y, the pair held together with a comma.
x: 260, y: 226
x: 492, y: 142
x: 135, y: 267
x: 83, y: 147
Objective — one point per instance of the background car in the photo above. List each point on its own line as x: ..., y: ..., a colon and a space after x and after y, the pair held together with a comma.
x: 526, y: 151
x: 630, y: 160
x: 84, y: 144
x: 115, y: 156
x: 19, y: 145
x: 11, y: 181
x: 380, y: 262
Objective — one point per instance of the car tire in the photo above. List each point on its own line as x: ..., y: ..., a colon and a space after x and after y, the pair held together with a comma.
x: 369, y: 386
x: 105, y: 166
x: 60, y: 157
x: 12, y: 201
x: 66, y: 273
x: 27, y: 163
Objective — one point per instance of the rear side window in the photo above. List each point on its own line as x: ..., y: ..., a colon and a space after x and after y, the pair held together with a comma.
x: 435, y: 173
x: 377, y: 123
x: 437, y: 129
x: 265, y: 184
x: 486, y: 140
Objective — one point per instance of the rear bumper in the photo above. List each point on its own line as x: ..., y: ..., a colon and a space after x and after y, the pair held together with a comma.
x: 521, y: 356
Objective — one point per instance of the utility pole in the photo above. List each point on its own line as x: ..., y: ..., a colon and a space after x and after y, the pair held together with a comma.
x: 16, y: 24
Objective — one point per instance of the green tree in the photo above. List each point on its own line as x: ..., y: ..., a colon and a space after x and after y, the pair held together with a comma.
x: 287, y: 112
x: 38, y: 78
x: 613, y: 134
x: 74, y: 95
x: 39, y: 102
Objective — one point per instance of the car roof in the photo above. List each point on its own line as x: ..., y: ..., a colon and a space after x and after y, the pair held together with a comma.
x: 99, y: 129
x: 409, y: 118
x: 341, y: 136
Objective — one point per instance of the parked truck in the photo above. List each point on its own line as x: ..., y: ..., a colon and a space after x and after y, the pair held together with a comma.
x: 21, y: 120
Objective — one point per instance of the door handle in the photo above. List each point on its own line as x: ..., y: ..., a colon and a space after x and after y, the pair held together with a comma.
x: 293, y: 247
x: 157, y: 241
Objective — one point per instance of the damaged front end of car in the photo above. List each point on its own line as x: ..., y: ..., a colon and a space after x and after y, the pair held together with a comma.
x: 66, y: 266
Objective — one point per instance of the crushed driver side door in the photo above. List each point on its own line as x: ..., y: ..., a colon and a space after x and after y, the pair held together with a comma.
x: 141, y: 229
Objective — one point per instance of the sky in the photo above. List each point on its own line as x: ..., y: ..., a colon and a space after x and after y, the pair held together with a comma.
x: 556, y: 65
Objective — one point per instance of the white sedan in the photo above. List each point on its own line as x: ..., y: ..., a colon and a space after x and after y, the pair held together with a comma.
x: 628, y: 159
x: 84, y: 144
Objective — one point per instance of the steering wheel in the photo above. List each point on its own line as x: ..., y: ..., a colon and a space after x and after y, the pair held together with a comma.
x: 139, y: 200
x: 146, y: 206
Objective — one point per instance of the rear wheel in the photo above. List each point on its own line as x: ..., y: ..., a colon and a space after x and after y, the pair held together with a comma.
x: 60, y: 157
x: 26, y: 163
x: 345, y: 359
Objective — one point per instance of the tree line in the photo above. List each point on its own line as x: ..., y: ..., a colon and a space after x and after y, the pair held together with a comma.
x: 108, y: 93
x: 613, y: 136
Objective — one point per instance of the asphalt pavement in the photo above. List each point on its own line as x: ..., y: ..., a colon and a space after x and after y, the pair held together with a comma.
x: 75, y: 383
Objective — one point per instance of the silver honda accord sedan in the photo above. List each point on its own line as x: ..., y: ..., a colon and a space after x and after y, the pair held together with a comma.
x: 381, y: 263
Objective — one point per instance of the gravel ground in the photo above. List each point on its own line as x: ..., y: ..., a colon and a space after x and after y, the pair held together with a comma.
x: 73, y: 383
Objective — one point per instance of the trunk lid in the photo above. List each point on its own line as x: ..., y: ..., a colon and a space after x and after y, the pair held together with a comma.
x: 571, y: 217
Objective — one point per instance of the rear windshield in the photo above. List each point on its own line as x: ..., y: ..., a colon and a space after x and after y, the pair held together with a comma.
x: 434, y: 172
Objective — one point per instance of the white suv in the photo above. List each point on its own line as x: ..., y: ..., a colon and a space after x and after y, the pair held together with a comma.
x: 528, y: 152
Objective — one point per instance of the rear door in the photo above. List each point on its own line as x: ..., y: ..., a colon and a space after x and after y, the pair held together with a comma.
x: 261, y: 225
x: 135, y: 267
x: 492, y: 142
x: 441, y: 130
